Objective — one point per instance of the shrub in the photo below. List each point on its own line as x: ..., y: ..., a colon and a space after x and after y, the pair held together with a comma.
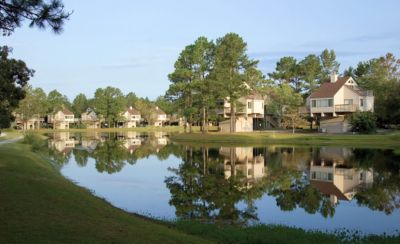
x: 34, y: 140
x: 363, y: 122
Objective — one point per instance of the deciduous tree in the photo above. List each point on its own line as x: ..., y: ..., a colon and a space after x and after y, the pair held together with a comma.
x: 14, y: 75
x: 34, y: 104
x: 80, y: 104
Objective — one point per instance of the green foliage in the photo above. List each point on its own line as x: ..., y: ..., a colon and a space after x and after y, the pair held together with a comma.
x: 305, y: 76
x: 363, y: 122
x: 166, y: 105
x: 231, y: 69
x: 191, y: 88
x: 287, y: 71
x: 34, y: 104
x: 310, y: 70
x: 131, y: 99
x: 40, y: 13
x: 382, y: 76
x: 14, y: 75
x: 285, y: 98
x: 35, y: 140
x: 80, y: 104
x: 110, y: 103
x: 329, y: 63
x: 57, y: 101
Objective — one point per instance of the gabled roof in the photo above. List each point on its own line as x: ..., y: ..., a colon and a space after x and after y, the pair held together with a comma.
x: 328, y: 188
x: 159, y: 111
x: 255, y: 96
x: 329, y: 89
x: 88, y: 111
x: 133, y: 111
x: 66, y: 111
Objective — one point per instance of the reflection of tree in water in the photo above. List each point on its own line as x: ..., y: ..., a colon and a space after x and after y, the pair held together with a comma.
x: 60, y: 158
x: 81, y: 157
x: 110, y: 156
x: 384, y: 194
x: 200, y: 190
x: 292, y: 191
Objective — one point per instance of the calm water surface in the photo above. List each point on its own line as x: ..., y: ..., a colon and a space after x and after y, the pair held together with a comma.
x: 325, y: 188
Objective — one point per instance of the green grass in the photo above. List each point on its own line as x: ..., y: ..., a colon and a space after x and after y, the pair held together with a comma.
x: 277, y: 234
x: 9, y: 135
x: 38, y: 205
x: 391, y: 140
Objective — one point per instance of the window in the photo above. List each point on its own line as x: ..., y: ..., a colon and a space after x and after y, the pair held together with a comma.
x: 322, y: 103
x: 348, y: 101
x: 248, y: 104
x: 362, y: 102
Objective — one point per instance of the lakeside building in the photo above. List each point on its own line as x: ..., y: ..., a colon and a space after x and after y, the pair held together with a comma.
x: 90, y: 119
x: 131, y: 118
x: 36, y: 122
x: 160, y: 117
x: 62, y: 119
x: 334, y: 101
x: 251, y: 108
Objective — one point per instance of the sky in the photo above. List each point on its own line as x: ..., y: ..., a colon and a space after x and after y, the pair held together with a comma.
x: 133, y: 44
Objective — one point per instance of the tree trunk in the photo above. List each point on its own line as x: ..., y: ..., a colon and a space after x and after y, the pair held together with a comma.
x: 204, y: 121
x: 190, y: 124
x: 233, y: 119
x: 293, y: 125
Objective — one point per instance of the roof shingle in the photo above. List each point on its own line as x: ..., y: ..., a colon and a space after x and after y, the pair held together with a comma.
x: 329, y: 89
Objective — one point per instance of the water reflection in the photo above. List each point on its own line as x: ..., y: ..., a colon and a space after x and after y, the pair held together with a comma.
x: 231, y: 184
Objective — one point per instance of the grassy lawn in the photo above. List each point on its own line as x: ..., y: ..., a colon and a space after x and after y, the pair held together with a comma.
x: 391, y: 140
x: 38, y: 205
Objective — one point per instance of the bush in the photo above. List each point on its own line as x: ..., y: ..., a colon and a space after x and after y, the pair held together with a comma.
x: 34, y: 140
x: 363, y: 122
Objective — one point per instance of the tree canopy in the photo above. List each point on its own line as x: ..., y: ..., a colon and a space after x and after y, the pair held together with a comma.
x: 40, y: 13
x: 14, y: 76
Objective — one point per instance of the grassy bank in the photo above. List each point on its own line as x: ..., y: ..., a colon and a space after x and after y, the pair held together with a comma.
x: 39, y: 205
x: 391, y: 140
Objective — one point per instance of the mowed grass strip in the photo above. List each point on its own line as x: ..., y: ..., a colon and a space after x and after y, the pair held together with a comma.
x: 391, y: 140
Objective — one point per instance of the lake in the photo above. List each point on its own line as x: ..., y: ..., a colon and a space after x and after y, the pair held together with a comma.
x: 323, y: 188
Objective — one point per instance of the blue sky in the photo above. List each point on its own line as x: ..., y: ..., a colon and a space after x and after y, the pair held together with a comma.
x: 133, y: 45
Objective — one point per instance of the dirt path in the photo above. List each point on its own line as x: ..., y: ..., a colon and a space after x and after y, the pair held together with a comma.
x: 10, y: 140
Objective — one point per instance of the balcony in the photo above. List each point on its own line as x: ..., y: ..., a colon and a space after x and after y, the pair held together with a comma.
x: 345, y: 108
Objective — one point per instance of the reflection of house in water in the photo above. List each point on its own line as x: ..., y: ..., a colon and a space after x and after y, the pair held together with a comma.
x: 332, y: 176
x: 245, y: 161
x: 89, y: 144
x: 161, y: 138
x: 63, y: 142
x: 132, y: 140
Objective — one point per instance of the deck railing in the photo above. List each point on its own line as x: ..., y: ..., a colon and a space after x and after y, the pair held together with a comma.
x: 345, y: 108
